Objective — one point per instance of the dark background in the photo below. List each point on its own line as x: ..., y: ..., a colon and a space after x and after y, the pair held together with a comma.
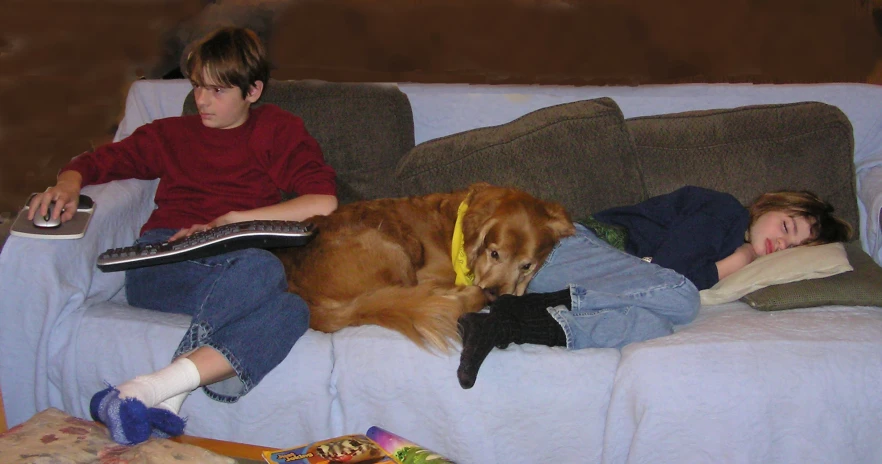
x: 66, y: 65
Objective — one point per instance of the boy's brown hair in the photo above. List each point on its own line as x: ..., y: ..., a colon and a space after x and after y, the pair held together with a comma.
x: 228, y: 57
x: 826, y: 227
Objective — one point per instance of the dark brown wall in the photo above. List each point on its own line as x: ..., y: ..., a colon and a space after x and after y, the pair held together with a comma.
x: 590, y: 42
x: 65, y: 65
x: 64, y: 71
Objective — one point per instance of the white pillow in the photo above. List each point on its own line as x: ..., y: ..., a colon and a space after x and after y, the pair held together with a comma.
x: 800, y: 263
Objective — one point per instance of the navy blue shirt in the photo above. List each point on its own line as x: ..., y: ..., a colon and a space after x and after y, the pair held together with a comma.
x: 687, y: 230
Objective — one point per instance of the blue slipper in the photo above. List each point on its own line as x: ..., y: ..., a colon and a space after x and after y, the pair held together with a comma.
x: 129, y: 421
x: 165, y: 423
x: 126, y: 419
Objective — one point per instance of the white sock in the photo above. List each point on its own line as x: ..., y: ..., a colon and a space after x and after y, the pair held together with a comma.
x: 167, y: 387
x: 174, y: 403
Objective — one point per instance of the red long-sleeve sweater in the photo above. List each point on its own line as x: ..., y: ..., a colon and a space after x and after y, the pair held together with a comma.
x: 204, y: 172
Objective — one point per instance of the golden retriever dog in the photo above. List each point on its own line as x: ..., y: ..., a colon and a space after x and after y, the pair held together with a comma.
x: 388, y: 262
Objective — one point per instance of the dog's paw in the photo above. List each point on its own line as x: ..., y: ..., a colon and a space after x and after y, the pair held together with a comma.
x: 471, y: 298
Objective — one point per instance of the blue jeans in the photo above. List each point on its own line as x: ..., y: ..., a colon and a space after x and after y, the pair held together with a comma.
x: 240, y: 307
x: 617, y: 298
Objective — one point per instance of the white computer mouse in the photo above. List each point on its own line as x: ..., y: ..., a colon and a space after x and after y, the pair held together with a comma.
x: 47, y: 221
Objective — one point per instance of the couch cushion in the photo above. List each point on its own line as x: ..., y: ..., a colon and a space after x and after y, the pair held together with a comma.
x: 363, y: 129
x: 579, y: 154
x: 859, y: 287
x: 750, y: 150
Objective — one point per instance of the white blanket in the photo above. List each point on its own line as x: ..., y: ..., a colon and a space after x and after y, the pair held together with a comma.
x: 744, y: 386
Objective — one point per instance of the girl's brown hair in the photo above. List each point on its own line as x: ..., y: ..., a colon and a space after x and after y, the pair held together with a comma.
x: 228, y: 57
x: 826, y: 227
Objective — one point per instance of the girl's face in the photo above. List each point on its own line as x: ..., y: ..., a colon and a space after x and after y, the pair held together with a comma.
x: 223, y: 107
x: 776, y: 231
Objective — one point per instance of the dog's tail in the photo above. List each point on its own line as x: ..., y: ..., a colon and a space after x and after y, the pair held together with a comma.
x: 424, y: 313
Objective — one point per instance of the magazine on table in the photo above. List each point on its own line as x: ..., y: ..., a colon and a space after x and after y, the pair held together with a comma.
x: 377, y: 445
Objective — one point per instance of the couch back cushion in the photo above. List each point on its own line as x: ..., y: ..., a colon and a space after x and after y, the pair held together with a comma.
x: 750, y: 150
x: 363, y: 129
x: 579, y: 154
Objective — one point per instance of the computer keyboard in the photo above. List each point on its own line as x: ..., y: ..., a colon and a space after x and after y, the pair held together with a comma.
x: 229, y: 237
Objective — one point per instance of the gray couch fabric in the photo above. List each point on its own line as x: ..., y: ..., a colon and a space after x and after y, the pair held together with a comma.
x: 587, y: 157
x: 750, y: 150
x: 579, y: 154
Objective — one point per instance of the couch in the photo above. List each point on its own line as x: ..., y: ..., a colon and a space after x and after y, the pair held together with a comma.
x: 741, y: 384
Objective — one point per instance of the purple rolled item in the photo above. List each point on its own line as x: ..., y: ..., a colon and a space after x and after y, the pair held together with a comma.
x: 405, y: 451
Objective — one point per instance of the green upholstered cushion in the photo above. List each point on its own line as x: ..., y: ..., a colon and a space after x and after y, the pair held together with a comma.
x: 750, y: 150
x: 578, y: 154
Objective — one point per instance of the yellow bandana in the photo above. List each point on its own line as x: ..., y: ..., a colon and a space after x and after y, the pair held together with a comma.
x: 457, y: 249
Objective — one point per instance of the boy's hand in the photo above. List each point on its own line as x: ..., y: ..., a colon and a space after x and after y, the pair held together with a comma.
x: 746, y: 253
x: 229, y: 218
x: 186, y: 232
x: 742, y: 256
x: 65, y: 194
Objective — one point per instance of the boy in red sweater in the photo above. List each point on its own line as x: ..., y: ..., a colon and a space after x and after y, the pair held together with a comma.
x: 227, y: 164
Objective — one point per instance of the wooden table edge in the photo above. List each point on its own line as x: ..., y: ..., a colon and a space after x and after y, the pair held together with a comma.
x: 225, y: 448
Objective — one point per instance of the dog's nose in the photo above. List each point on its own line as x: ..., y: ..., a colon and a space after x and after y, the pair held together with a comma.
x: 491, y: 293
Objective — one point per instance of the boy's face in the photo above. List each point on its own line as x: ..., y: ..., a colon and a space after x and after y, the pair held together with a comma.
x: 223, y: 107
x: 777, y: 230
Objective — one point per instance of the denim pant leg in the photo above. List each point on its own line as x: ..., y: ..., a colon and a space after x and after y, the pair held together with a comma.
x: 617, y: 298
x: 240, y: 307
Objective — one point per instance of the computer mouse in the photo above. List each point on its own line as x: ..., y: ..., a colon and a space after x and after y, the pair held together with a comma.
x: 47, y: 221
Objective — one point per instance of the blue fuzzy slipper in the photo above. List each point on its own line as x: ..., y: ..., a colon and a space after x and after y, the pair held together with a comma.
x: 165, y: 423
x: 129, y: 421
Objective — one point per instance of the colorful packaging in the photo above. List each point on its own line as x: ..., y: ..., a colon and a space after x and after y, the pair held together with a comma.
x: 404, y: 451
x: 348, y: 449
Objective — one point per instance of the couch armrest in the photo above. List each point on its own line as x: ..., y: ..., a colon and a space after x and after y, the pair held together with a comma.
x: 121, y: 208
x: 869, y: 188
x: 46, y: 284
x: 51, y: 266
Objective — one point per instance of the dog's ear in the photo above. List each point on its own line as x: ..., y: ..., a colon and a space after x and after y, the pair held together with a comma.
x: 483, y: 200
x: 475, y: 243
x: 477, y: 222
x: 559, y: 222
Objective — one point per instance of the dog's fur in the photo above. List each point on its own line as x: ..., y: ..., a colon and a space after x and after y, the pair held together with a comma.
x: 388, y: 262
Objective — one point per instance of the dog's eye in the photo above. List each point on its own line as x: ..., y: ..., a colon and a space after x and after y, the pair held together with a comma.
x: 526, y: 267
x: 494, y: 254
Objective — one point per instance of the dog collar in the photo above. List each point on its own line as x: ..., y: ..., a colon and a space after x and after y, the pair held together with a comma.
x: 464, y: 276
